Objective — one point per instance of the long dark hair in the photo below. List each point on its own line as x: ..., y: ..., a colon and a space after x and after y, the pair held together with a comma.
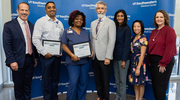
x: 125, y: 18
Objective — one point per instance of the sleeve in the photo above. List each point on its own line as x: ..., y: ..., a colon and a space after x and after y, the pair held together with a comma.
x: 127, y: 44
x: 64, y: 37
x: 170, y: 49
x: 62, y: 30
x: 111, y: 41
x: 37, y: 37
x: 7, y: 37
x: 143, y: 41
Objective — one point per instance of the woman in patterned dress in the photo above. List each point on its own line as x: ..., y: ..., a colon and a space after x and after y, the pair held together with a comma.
x: 137, y: 75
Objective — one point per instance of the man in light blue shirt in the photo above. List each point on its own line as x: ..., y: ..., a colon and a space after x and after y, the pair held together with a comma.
x: 48, y: 28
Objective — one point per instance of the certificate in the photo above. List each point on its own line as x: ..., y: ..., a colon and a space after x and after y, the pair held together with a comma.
x: 82, y: 49
x: 52, y: 47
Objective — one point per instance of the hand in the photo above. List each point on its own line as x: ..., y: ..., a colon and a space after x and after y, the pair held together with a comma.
x: 137, y: 72
x: 14, y: 66
x: 106, y: 61
x: 48, y: 55
x: 60, y: 55
x: 74, y: 58
x: 92, y: 53
x: 162, y: 69
x: 123, y: 65
x: 35, y: 62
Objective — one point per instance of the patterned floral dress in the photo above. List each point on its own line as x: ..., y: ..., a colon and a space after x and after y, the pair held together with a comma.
x: 136, y: 52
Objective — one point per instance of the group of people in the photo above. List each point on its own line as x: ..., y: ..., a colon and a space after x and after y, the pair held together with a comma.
x: 111, y: 45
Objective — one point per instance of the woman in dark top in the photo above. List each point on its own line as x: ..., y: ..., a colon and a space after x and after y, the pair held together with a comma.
x: 77, y: 68
x: 161, y: 52
x: 121, y: 53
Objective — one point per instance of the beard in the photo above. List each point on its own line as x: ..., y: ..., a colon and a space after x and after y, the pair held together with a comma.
x: 100, y: 15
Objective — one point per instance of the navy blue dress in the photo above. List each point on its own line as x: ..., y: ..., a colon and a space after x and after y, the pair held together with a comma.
x: 136, y: 53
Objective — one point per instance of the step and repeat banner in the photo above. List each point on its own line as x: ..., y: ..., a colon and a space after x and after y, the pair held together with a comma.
x: 136, y: 9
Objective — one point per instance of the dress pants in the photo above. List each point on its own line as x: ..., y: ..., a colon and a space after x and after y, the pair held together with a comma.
x: 160, y: 80
x: 102, y: 77
x: 78, y: 80
x: 50, y: 77
x: 22, y: 80
x: 120, y: 75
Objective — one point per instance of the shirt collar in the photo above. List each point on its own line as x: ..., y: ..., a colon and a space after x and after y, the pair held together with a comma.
x: 102, y: 18
x: 21, y: 21
x: 48, y: 18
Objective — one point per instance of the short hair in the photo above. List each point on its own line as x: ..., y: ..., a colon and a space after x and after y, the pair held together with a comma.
x: 101, y: 2
x: 49, y: 2
x: 166, y: 18
x: 23, y: 3
x: 142, y: 26
x: 73, y: 15
x: 125, y: 18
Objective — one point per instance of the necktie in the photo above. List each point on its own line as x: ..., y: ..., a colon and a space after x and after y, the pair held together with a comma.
x: 98, y: 24
x: 28, y: 38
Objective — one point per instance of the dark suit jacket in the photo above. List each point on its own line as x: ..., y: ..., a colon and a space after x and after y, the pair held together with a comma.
x: 14, y: 43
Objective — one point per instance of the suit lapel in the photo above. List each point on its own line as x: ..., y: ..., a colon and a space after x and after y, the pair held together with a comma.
x: 94, y: 29
x: 102, y: 24
x: 19, y: 30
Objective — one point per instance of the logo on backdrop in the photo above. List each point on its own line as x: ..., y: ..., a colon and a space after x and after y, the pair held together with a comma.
x: 112, y: 17
x: 149, y: 29
x: 171, y: 15
x: 37, y: 77
x: 90, y: 6
x: 63, y: 84
x: 14, y: 15
x: 145, y: 4
x: 38, y: 3
x: 65, y: 17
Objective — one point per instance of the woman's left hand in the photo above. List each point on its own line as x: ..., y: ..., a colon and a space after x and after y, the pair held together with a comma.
x: 162, y: 69
x: 92, y: 53
x: 137, y: 72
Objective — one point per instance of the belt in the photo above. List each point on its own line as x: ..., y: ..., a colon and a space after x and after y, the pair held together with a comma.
x: 28, y: 55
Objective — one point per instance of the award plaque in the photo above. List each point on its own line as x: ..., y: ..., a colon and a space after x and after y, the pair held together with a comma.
x: 82, y: 50
x: 53, y: 47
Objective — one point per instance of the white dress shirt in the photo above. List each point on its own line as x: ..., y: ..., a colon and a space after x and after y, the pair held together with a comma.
x: 22, y: 25
x: 46, y: 29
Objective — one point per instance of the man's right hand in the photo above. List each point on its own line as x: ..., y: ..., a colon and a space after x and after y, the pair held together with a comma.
x: 48, y: 55
x: 14, y: 66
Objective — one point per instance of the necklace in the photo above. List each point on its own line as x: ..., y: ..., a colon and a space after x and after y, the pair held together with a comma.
x: 156, y: 35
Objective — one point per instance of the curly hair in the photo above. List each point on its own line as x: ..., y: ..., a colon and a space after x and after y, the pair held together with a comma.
x: 166, y: 18
x: 73, y: 15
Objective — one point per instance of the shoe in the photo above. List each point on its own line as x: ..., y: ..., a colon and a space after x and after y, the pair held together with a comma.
x: 98, y: 98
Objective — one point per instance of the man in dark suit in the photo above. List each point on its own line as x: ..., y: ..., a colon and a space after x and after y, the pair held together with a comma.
x: 19, y: 51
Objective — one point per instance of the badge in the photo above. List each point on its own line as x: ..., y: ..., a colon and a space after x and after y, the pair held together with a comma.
x: 136, y: 44
x: 70, y: 31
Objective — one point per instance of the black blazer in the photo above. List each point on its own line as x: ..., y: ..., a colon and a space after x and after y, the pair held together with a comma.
x: 14, y: 43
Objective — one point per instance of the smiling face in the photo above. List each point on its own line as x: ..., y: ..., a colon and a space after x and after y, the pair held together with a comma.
x: 160, y: 20
x: 120, y: 18
x: 78, y: 21
x: 137, y: 28
x: 51, y: 10
x: 101, y: 10
x: 23, y: 11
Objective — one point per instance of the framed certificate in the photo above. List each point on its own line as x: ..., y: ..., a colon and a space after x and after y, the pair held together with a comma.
x: 82, y: 50
x: 53, y: 47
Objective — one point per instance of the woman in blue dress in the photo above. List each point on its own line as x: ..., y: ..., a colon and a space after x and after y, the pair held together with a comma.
x: 137, y: 75
x: 78, y: 68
